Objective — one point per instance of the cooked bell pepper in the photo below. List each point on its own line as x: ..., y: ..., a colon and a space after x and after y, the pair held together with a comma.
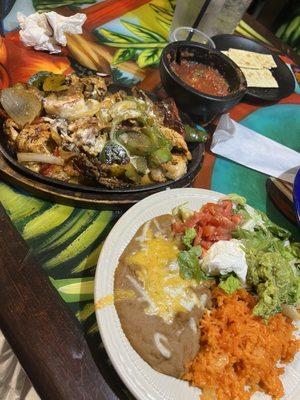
x: 195, y: 135
x: 160, y: 156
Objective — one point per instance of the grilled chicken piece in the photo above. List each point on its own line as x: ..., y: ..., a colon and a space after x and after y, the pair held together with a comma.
x: 175, y: 168
x: 12, y: 131
x: 177, y: 141
x: 86, y: 133
x: 92, y: 87
x: 66, y: 173
x: 157, y: 175
x: 33, y: 138
x: 70, y: 104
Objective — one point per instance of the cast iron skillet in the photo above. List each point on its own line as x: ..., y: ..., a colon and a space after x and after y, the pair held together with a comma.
x: 282, y: 74
x: 193, y: 167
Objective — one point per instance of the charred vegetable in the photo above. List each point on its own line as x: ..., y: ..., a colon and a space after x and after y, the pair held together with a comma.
x: 48, y: 81
x: 54, y: 83
x: 140, y: 164
x: 136, y: 143
x: 21, y: 105
x: 38, y: 79
x: 114, y: 153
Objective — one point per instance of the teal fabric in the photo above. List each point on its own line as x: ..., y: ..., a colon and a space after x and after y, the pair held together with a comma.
x: 280, y: 122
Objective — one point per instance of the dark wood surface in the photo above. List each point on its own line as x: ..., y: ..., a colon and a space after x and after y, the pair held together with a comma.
x: 46, y: 338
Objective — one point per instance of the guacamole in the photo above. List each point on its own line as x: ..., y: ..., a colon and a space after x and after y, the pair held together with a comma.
x: 273, y: 263
x: 274, y: 279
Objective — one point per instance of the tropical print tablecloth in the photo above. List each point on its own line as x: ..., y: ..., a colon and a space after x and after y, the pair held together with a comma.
x: 127, y: 36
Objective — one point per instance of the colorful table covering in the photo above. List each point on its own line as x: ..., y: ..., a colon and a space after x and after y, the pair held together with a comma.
x: 129, y: 35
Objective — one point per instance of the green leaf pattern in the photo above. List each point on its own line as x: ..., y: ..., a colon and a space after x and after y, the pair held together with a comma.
x: 149, y: 57
x: 141, y: 44
x: 67, y: 241
x: 143, y: 34
x: 124, y: 55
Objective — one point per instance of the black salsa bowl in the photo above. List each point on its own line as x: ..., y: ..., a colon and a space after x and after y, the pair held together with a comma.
x: 190, y: 100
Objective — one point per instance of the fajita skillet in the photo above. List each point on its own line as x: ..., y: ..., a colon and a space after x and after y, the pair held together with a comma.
x: 193, y: 167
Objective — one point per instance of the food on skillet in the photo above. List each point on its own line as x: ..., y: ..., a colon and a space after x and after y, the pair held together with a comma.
x: 73, y: 129
x: 201, y: 77
x: 213, y: 296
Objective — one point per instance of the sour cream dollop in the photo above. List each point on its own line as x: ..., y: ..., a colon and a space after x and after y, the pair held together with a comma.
x: 226, y: 256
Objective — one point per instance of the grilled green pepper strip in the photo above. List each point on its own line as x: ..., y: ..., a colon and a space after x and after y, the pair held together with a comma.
x: 136, y: 143
x: 160, y: 156
x: 54, y: 83
x: 38, y: 79
x: 195, y: 135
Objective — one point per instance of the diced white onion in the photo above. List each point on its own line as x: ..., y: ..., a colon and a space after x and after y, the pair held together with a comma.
x: 39, y: 158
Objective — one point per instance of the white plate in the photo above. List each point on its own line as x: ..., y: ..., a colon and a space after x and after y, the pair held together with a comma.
x: 143, y: 381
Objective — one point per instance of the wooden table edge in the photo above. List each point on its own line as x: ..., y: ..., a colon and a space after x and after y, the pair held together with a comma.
x: 36, y: 323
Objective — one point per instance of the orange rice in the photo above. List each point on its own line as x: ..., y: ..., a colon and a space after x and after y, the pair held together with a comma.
x: 238, y: 352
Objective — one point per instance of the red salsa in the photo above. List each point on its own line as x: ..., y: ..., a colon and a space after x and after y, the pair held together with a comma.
x: 201, y: 77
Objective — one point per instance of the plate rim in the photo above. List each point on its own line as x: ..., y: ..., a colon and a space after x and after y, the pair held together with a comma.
x: 129, y: 215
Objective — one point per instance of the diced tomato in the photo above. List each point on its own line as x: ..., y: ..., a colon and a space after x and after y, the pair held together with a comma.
x: 212, y: 208
x: 204, y: 218
x: 221, y: 220
x: 178, y: 227
x: 209, y: 232
x: 193, y: 220
x: 206, y: 244
x: 227, y: 207
x: 212, y: 223
x: 236, y: 219
x: 198, y: 237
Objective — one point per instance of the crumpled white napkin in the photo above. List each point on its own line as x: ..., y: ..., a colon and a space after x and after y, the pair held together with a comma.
x: 47, y: 31
x: 247, y: 147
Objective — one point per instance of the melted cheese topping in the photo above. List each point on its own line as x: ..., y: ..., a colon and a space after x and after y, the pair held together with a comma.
x: 154, y: 267
x: 110, y: 299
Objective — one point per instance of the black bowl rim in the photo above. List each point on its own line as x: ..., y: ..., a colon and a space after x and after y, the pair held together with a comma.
x: 165, y: 63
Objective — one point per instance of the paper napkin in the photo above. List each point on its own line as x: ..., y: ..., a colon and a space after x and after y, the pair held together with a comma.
x: 247, y: 147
